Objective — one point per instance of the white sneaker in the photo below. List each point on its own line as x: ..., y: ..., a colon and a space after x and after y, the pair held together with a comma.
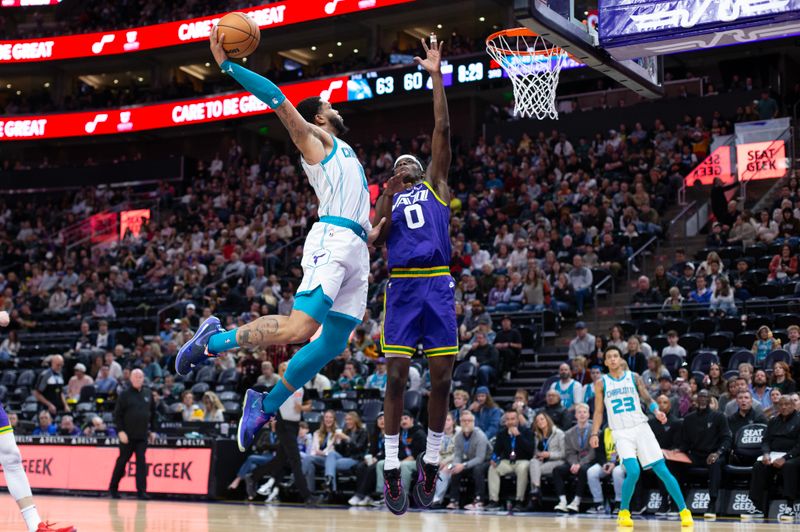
x: 561, y: 507
x: 266, y: 488
x: 710, y: 516
x: 377, y: 503
x: 786, y: 518
x: 574, y: 506
x: 355, y: 500
x: 273, y: 495
x: 477, y: 505
x: 596, y: 509
x: 752, y: 517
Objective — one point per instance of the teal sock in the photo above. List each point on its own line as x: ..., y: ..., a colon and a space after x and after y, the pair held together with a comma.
x: 670, y: 482
x: 311, y: 358
x: 222, y: 342
x: 632, y: 471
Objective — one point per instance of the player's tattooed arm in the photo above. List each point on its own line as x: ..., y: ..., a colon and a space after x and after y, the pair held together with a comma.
x: 257, y: 333
x: 305, y: 136
x: 441, y: 153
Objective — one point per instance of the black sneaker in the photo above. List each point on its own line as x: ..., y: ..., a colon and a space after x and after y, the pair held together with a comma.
x: 519, y: 506
x: 425, y: 488
x: 313, y: 500
x: 492, y: 506
x: 394, y: 495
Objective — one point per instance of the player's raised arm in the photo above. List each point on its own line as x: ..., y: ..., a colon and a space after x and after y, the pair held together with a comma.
x: 309, y: 139
x: 597, y: 419
x: 440, y: 141
x: 644, y: 395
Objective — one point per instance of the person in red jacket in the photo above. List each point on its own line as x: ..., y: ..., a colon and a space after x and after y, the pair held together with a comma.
x: 784, y: 266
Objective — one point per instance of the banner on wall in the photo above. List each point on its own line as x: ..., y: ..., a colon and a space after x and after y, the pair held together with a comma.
x: 169, y: 470
x: 639, y: 28
x: 103, y: 227
x: 133, y: 221
x: 176, y: 33
x: 761, y: 160
x: 162, y: 115
x: 716, y: 165
x: 28, y: 3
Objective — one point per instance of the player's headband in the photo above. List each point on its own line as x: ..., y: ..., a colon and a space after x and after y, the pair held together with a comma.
x: 409, y: 158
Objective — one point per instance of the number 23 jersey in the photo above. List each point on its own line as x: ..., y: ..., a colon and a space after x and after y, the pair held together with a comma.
x: 621, y: 399
x: 420, y: 233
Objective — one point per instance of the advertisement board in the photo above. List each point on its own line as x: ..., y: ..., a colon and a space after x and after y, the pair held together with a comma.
x: 176, y: 33
x: 637, y: 28
x: 75, y: 467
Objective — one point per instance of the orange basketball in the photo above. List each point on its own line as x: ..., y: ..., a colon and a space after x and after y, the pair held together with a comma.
x: 241, y: 34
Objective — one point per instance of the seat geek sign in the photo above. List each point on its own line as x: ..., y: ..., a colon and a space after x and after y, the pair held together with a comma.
x: 77, y: 467
x: 176, y: 33
x: 761, y: 160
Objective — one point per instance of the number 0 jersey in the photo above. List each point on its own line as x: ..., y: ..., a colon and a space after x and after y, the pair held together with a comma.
x: 420, y: 234
x: 621, y: 399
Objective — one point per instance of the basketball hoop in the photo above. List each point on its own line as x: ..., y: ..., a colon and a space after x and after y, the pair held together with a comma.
x: 533, y: 64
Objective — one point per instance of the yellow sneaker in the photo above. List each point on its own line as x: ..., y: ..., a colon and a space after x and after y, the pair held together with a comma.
x: 686, y: 517
x: 624, y: 519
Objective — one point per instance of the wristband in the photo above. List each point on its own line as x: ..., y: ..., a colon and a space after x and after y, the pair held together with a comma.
x: 259, y: 86
x: 596, y: 434
x: 653, y: 407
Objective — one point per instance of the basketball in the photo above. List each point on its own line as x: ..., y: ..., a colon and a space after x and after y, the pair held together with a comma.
x: 241, y: 34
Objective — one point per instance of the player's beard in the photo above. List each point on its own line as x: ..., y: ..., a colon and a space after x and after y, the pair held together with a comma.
x: 338, y: 125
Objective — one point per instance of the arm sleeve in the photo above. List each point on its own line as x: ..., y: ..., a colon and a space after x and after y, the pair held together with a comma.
x: 557, y: 451
x: 458, y: 449
x: 725, y: 436
x: 570, y: 451
x: 119, y: 413
x: 259, y: 86
x: 480, y: 452
x: 765, y: 444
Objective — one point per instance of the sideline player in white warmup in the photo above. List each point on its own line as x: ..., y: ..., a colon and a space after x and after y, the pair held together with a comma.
x: 333, y: 292
x: 621, y: 392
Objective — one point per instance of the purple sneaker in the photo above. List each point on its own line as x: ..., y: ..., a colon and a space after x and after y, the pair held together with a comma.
x: 425, y: 488
x: 253, y: 418
x: 195, y: 350
x: 394, y: 495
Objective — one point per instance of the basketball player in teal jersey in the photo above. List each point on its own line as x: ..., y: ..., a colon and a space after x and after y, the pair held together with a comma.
x: 333, y: 292
x: 622, y: 392
x: 419, y: 303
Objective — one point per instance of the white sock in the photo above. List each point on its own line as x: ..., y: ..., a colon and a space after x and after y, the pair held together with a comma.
x: 432, y: 447
x: 392, y: 442
x: 562, y: 499
x: 31, y: 517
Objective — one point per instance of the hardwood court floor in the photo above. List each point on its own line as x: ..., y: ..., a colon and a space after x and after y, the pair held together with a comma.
x: 105, y: 515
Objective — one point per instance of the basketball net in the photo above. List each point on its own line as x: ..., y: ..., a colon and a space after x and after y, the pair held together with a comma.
x: 534, y: 65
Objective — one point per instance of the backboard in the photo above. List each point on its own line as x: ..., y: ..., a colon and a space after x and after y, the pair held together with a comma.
x: 558, y: 22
